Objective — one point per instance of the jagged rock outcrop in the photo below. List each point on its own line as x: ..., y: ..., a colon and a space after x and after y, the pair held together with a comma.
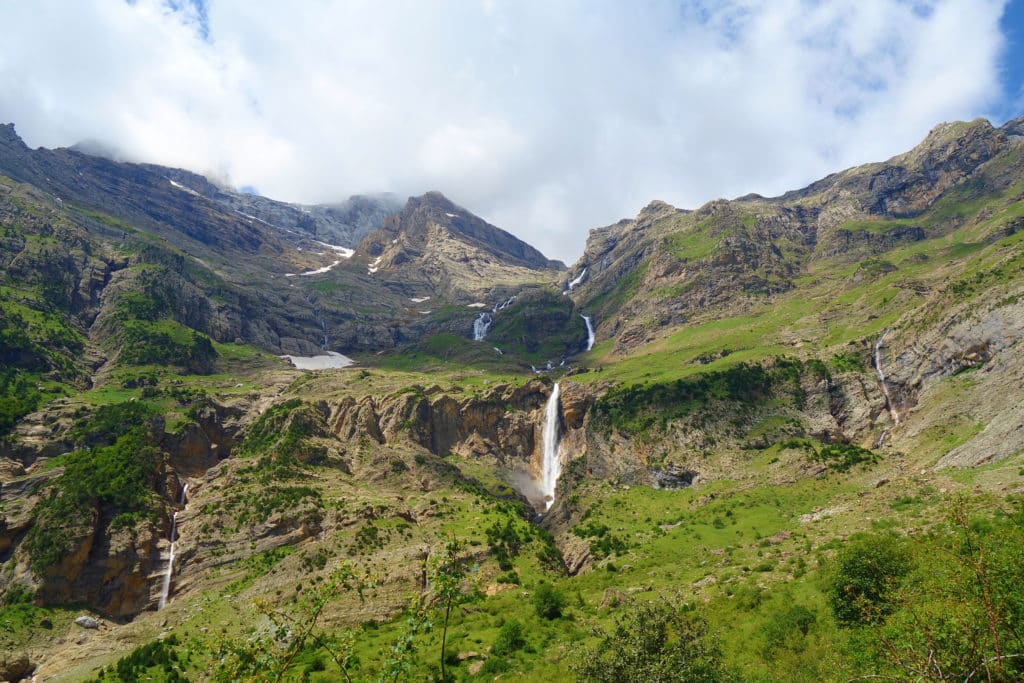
x: 107, y: 568
x: 502, y: 423
x: 987, y: 337
x: 443, y: 249
x: 113, y: 568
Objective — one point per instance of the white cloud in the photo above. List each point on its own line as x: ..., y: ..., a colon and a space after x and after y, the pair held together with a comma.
x: 545, y: 118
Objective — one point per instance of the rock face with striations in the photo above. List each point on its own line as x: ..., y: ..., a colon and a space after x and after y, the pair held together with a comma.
x: 727, y: 252
x: 449, y: 251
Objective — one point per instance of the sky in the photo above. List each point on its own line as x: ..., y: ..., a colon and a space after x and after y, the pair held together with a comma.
x: 545, y: 117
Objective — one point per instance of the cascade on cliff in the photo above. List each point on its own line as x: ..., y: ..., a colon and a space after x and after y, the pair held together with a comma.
x: 481, y: 325
x: 881, y: 379
x: 590, y: 331
x: 166, y: 588
x: 552, y: 467
x: 504, y: 304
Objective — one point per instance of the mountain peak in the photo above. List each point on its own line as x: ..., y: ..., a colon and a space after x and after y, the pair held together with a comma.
x: 9, y: 138
x: 454, y: 248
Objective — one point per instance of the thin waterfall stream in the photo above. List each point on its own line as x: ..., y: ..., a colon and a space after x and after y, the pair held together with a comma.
x: 881, y: 379
x: 590, y: 331
x: 551, y: 467
x: 165, y: 590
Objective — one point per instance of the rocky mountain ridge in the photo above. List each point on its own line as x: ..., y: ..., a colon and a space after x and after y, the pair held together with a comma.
x: 728, y: 251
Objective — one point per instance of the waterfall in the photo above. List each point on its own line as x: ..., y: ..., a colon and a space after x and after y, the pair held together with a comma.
x: 590, y: 330
x: 166, y: 588
x: 881, y: 379
x: 577, y: 280
x: 481, y: 325
x: 505, y: 304
x: 552, y: 466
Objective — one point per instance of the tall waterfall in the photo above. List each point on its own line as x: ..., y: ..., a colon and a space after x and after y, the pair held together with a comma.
x: 590, y: 331
x: 166, y: 588
x: 481, y: 325
x: 881, y: 379
x: 552, y: 466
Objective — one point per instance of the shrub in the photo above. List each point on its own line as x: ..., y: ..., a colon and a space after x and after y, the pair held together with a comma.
x: 868, y: 570
x: 510, y: 638
x: 651, y: 643
x: 548, y: 602
x: 495, y: 665
x: 116, y: 479
x: 786, y: 631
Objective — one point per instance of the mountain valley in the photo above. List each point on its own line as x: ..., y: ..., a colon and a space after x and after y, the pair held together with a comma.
x: 722, y: 410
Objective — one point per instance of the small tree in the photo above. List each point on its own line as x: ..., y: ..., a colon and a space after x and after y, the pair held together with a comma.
x: 961, y: 615
x: 510, y: 638
x: 268, y: 657
x: 868, y: 571
x: 448, y: 570
x: 652, y: 643
x: 548, y: 602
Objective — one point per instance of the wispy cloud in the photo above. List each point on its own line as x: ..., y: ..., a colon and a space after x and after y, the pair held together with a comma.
x: 545, y: 118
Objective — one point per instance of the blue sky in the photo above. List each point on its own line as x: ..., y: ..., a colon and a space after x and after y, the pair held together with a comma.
x: 1012, y: 62
x: 546, y: 117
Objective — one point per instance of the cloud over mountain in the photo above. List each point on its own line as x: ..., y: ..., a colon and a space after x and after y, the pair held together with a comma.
x: 544, y: 118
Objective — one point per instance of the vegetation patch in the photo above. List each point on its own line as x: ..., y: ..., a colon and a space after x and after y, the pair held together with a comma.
x: 637, y: 408
x: 166, y: 343
x: 114, y: 483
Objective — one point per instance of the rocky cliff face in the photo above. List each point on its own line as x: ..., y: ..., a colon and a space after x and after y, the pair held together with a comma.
x: 115, y: 569
x: 720, y: 256
x: 450, y: 252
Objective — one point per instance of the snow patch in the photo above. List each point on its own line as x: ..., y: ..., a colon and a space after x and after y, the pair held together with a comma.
x: 478, y: 304
x: 329, y: 361
x: 344, y: 251
x: 183, y: 188
x: 450, y: 215
x: 318, y: 271
x: 373, y: 268
x: 419, y: 299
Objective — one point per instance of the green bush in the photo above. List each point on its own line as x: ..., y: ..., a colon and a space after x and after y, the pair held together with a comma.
x: 18, y: 397
x: 652, y: 643
x: 495, y: 665
x: 960, y: 614
x: 548, y: 602
x: 166, y: 343
x: 111, y: 422
x: 511, y: 637
x: 868, y: 571
x: 786, y: 631
x: 841, y: 457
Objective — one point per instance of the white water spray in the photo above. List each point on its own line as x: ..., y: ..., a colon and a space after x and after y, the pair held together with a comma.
x: 590, y: 331
x: 504, y: 304
x: 881, y: 379
x: 481, y: 325
x: 577, y: 280
x: 166, y: 588
x: 552, y: 466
